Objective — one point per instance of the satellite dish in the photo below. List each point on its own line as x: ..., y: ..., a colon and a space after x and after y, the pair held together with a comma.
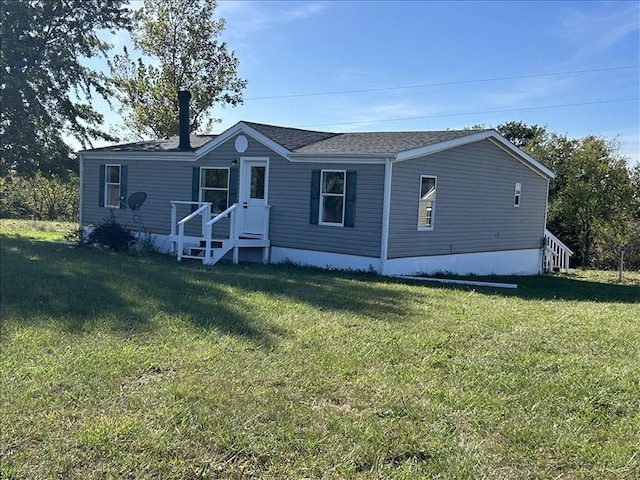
x: 136, y: 200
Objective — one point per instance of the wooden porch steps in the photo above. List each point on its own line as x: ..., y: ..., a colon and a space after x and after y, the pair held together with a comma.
x: 220, y: 247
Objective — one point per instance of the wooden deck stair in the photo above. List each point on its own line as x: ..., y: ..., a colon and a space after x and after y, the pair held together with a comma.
x: 220, y: 248
x: 211, y: 250
x: 556, y: 254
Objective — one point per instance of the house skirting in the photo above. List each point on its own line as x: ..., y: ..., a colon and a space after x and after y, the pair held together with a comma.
x: 327, y: 260
x: 509, y: 262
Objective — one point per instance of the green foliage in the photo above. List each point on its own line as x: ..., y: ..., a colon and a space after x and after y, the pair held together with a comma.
x: 43, y: 79
x: 146, y: 245
x: 39, y: 198
x: 120, y: 366
x: 611, y: 247
x: 591, y: 200
x: 112, y: 235
x: 596, y: 195
x: 183, y: 37
x: 521, y: 134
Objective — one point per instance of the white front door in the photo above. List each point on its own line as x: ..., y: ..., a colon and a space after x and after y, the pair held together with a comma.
x: 254, y: 184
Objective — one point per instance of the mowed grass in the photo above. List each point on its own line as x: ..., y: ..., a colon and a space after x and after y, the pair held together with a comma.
x: 36, y: 229
x: 127, y: 366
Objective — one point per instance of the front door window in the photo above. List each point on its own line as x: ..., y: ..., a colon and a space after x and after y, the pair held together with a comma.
x: 257, y: 182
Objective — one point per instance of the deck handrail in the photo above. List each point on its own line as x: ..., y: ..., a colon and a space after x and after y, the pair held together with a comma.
x: 194, y: 214
x: 222, y: 215
x: 560, y: 253
x: 208, y: 229
x: 204, y: 210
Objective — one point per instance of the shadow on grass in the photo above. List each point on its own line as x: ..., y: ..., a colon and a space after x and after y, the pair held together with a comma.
x: 85, y: 289
x: 550, y: 287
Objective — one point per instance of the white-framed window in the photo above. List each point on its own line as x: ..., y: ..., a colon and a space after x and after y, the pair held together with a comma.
x: 112, y: 185
x: 214, y: 188
x: 516, y: 194
x: 427, y: 202
x: 332, y: 197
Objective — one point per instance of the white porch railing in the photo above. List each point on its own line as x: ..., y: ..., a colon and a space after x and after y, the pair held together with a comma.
x: 556, y: 253
x: 235, y: 240
x: 204, y: 210
x: 208, y: 231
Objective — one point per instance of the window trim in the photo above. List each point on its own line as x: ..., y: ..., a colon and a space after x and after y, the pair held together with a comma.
x: 107, y: 184
x: 323, y: 194
x: 517, y: 194
x: 202, y: 189
x: 433, y: 203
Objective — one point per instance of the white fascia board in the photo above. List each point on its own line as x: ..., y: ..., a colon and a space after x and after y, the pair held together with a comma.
x: 338, y: 158
x: 522, y: 156
x: 490, y: 135
x: 241, y: 127
x: 123, y: 156
x: 440, y: 146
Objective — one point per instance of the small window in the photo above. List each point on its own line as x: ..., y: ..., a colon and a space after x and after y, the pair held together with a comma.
x: 516, y: 195
x: 332, y: 195
x: 112, y: 183
x: 427, y: 203
x: 214, y: 188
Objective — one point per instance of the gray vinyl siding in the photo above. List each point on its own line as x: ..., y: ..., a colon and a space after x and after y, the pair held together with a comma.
x: 474, y: 209
x: 289, y: 197
x: 162, y: 181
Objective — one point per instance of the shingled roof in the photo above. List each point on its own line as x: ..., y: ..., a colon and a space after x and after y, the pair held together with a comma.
x: 170, y: 144
x: 380, y: 142
x: 312, y: 142
x: 290, y: 138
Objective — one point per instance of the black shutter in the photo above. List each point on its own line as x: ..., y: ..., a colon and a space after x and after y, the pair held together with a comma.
x: 234, y: 185
x: 123, y: 186
x: 195, y: 188
x: 314, y: 204
x: 350, y: 200
x: 101, y: 197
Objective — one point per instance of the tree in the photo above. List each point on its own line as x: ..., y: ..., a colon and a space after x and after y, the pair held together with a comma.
x: 183, y: 37
x: 44, y: 81
x: 597, y: 196
x: 523, y: 135
x: 591, y: 199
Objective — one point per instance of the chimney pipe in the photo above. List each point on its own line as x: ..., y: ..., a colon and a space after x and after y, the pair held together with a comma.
x: 184, y: 96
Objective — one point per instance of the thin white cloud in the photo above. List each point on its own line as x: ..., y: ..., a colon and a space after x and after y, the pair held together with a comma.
x: 527, y: 92
x: 247, y: 17
x: 351, y: 116
x: 596, y: 31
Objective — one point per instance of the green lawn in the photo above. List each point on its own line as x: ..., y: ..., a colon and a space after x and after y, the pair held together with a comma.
x: 129, y: 366
x: 37, y: 230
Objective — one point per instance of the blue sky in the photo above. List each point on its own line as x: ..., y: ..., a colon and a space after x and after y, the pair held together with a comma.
x: 393, y: 65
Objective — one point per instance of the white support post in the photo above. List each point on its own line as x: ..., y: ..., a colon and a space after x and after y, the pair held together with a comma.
x: 174, y: 220
x: 180, y: 241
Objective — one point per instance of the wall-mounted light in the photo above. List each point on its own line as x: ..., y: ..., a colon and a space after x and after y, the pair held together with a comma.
x: 234, y: 162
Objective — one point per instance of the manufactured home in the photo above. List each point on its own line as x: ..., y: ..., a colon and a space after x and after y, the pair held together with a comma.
x: 398, y: 203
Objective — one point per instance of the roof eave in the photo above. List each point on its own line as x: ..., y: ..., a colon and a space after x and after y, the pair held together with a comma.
x: 491, y: 135
x: 339, y: 157
x: 137, y: 155
x: 521, y: 155
x: 242, y: 127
